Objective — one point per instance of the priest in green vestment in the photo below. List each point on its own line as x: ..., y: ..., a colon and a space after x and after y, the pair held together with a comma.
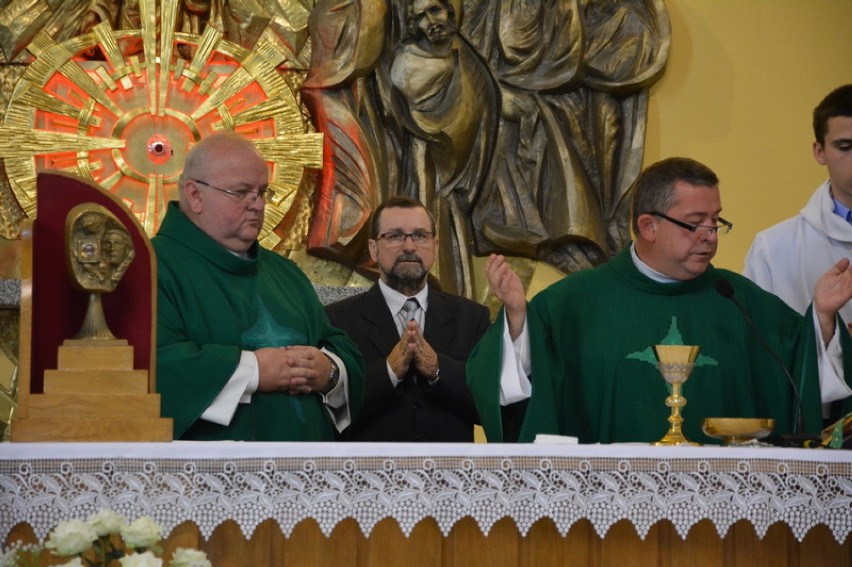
x: 244, y: 348
x: 578, y: 360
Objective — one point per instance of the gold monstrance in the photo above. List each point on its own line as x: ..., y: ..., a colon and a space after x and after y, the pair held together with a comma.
x: 675, y: 363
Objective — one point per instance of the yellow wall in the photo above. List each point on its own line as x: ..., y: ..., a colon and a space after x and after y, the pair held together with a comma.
x: 742, y: 80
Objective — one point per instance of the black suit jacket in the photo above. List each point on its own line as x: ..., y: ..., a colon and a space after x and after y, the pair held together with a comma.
x: 414, y: 410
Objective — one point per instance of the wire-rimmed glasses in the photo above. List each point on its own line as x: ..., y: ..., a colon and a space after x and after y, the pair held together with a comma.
x: 724, y: 227
x: 240, y: 197
x: 397, y: 237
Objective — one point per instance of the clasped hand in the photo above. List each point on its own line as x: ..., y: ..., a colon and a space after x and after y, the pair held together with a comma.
x: 412, y: 348
x: 296, y: 369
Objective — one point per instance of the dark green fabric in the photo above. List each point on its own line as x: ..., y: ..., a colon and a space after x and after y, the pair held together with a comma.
x: 591, y: 335
x: 211, y: 305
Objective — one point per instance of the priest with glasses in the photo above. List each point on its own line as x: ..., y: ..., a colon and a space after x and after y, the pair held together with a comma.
x: 245, y: 351
x: 578, y: 360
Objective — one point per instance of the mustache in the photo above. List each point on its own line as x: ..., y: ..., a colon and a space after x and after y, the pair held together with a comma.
x: 407, y: 257
x: 449, y: 26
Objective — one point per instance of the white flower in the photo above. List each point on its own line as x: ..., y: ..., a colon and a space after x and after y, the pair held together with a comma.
x: 184, y: 557
x: 146, y: 559
x: 106, y: 522
x: 9, y: 558
x: 20, y: 553
x: 142, y: 533
x: 71, y: 538
x: 76, y: 562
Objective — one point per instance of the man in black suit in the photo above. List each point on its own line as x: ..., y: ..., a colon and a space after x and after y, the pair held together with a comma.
x: 415, y: 339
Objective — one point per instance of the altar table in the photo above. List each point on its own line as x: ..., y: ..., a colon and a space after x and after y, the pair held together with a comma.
x: 360, y: 504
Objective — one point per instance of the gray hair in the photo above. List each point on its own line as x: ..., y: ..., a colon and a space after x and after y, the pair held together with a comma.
x: 198, y: 157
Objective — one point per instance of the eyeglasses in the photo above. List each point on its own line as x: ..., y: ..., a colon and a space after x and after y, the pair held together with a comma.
x: 265, y: 195
x: 397, y: 237
x: 724, y: 227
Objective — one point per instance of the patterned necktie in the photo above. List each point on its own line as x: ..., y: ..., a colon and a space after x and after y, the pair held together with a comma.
x: 407, y: 313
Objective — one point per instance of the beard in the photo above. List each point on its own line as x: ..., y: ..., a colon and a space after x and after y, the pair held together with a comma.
x: 440, y: 32
x: 407, y: 275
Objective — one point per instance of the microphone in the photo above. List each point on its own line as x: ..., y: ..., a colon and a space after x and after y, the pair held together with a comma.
x: 726, y: 290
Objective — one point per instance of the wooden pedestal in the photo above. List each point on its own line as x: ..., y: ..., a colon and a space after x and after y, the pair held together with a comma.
x: 95, y: 395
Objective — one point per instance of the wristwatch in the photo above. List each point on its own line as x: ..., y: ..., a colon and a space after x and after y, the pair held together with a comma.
x: 333, y: 375
x: 433, y: 379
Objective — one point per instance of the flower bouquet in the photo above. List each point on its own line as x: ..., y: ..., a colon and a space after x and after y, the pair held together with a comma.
x: 105, y: 539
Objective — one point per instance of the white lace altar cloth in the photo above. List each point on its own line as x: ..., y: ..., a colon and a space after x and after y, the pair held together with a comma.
x: 208, y: 483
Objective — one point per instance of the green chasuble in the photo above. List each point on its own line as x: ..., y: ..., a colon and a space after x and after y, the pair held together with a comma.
x: 594, y: 375
x: 211, y: 305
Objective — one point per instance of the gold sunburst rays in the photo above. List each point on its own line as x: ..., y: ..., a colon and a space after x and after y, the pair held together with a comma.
x: 27, y: 143
x: 148, y: 19
x: 52, y: 58
x: 31, y: 95
x: 168, y: 21
x: 295, y: 153
x: 193, y: 73
x: 259, y: 66
x: 109, y: 45
x: 156, y: 205
x: 101, y: 118
x: 303, y: 150
x: 32, y: 142
x: 287, y: 117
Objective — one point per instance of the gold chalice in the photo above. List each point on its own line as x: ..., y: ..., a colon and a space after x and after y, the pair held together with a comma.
x: 675, y: 363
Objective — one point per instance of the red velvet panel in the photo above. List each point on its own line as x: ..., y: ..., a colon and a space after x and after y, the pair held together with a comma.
x: 58, y: 308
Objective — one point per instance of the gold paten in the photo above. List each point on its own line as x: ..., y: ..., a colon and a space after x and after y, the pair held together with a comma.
x: 737, y: 430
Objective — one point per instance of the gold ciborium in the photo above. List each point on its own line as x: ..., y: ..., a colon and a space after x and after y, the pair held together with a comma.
x: 675, y: 363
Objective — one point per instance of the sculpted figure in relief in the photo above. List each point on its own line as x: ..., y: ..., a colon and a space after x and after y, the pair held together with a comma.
x: 523, y: 129
x: 520, y: 124
x: 573, y: 80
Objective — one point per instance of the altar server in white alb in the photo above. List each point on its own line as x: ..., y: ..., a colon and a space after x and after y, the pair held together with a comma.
x: 788, y: 258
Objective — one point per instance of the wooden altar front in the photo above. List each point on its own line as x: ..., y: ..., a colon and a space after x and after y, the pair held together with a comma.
x: 282, y: 504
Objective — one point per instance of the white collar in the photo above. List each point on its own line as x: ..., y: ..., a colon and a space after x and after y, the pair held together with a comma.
x: 395, y: 300
x: 647, y: 270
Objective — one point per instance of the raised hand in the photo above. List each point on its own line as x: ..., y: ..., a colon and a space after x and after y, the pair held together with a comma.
x: 832, y: 291
x: 507, y: 287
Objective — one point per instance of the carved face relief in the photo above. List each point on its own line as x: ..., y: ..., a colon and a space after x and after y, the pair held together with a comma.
x: 98, y: 248
x: 432, y: 19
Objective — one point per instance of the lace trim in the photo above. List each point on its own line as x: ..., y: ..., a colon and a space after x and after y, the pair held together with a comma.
x: 248, y: 491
